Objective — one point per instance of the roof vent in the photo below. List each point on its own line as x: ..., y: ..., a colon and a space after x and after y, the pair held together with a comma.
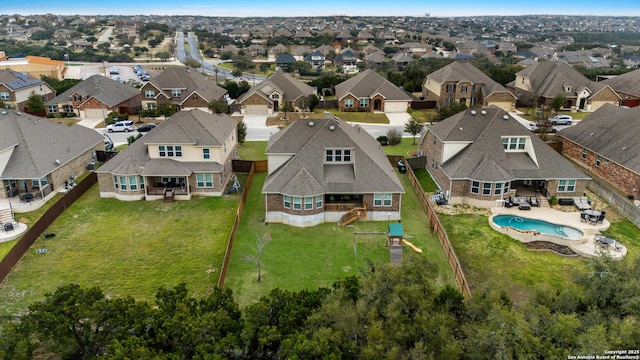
x: 505, y: 116
x: 18, y: 113
x: 310, y: 123
x: 483, y: 112
x: 460, y: 128
x: 473, y: 112
x: 624, y: 148
x: 57, y: 162
x: 4, y: 113
x: 332, y: 127
x: 591, y: 134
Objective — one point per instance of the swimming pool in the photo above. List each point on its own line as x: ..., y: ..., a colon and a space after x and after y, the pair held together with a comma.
x: 541, y: 226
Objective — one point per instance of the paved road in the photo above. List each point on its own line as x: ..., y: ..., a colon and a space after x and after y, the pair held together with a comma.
x: 106, y: 35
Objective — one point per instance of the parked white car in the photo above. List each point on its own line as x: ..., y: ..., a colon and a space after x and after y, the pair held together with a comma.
x: 561, y: 120
x: 121, y: 126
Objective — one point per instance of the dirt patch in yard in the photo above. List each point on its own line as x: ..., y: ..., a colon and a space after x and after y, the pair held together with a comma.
x: 544, y: 245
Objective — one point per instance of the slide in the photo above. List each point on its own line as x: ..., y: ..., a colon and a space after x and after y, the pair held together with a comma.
x: 415, y: 248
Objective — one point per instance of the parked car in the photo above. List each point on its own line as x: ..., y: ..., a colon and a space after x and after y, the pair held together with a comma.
x: 561, y: 120
x: 146, y: 127
x: 113, y: 70
x: 118, y: 126
x: 533, y: 126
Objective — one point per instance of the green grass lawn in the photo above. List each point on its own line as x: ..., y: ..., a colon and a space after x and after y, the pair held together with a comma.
x: 126, y: 248
x: 360, y: 117
x: 425, y: 180
x: 490, y: 258
x: 253, y: 150
x: 308, y: 258
x: 530, y: 115
x: 403, y: 148
x: 423, y: 116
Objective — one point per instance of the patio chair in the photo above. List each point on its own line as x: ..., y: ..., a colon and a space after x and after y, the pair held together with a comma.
x: 617, y: 246
x: 584, y: 217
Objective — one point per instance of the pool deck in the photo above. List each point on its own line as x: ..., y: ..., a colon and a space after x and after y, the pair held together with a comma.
x: 587, y: 247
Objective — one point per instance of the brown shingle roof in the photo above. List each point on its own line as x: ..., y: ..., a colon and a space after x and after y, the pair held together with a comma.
x: 367, y: 84
x: 189, y: 82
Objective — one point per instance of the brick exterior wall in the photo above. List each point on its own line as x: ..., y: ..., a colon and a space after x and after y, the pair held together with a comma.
x: 372, y: 102
x: 195, y: 101
x: 619, y: 176
x: 355, y: 103
x: 433, y: 153
x: 275, y: 202
x: 94, y: 103
x: 499, y: 98
x: 76, y: 166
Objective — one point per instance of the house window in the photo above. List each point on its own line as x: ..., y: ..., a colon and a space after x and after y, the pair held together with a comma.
x: 175, y: 92
x: 115, y: 182
x: 287, y: 202
x: 506, y: 187
x: 474, y: 100
x: 566, y: 185
x: 451, y: 88
x: 514, y: 143
x: 205, y: 154
x: 606, y: 161
x: 364, y: 102
x: 123, y: 183
x: 77, y: 98
x: 521, y: 143
x: 319, y: 202
x: 170, y: 150
x: 204, y: 180
x: 382, y: 199
x: 275, y: 96
x: 584, y: 153
x: 338, y: 155
x: 141, y: 182
x: 151, y: 106
x: 162, y: 151
x: 497, y: 190
x: 308, y: 203
x: 297, y: 203
x: 473, y: 87
x: 463, y: 88
x: 475, y: 187
x: 133, y: 184
x: 486, y: 188
x: 149, y: 94
x: 4, y: 95
x: 52, y: 108
x: 68, y: 108
x: 598, y: 160
x: 348, y: 103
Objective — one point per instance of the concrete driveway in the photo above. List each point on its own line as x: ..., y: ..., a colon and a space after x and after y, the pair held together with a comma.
x: 254, y: 121
x: 398, y: 119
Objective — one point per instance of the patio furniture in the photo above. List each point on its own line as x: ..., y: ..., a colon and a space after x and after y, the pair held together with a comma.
x: 617, y: 246
x: 584, y: 217
x: 534, y: 202
x: 524, y: 206
x: 26, y: 198
x: 582, y: 203
x: 565, y: 201
x: 7, y: 227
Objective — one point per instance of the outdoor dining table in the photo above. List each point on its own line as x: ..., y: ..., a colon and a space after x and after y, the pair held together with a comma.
x: 592, y: 212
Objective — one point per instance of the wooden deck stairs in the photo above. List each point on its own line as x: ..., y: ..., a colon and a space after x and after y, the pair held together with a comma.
x: 544, y: 203
x: 6, y: 216
x: 169, y: 195
x: 353, y: 215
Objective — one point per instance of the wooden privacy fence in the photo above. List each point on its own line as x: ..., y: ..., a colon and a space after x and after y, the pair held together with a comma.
x: 234, y: 228
x: 436, y: 227
x: 244, y: 166
x: 622, y: 204
x: 38, y: 228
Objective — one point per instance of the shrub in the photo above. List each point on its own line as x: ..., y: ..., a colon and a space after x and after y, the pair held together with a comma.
x: 554, y: 200
x: 394, y: 136
x: 71, y: 114
x: 382, y: 140
x: 50, y: 115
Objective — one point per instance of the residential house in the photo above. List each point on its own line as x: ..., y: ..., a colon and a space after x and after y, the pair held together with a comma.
x: 365, y: 37
x: 325, y: 49
x: 255, y: 50
x: 539, y: 84
x: 607, y: 143
x: 284, y: 62
x: 343, y: 38
x: 464, y: 83
x: 325, y: 170
x: 481, y: 157
x: 276, y: 51
x: 627, y: 86
x: 415, y: 48
x: 316, y: 59
x: 375, y: 59
x: 368, y: 91
x: 401, y: 60
x: 302, y: 36
x: 35, y: 66
x: 347, y: 60
x: 189, y: 154
x: 268, y: 96
x: 95, y: 97
x: 182, y: 87
x: 16, y: 87
x: 39, y: 156
x: 300, y: 52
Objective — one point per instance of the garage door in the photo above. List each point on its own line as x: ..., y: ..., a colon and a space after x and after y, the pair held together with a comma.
x: 255, y: 109
x: 94, y: 113
x: 395, y: 106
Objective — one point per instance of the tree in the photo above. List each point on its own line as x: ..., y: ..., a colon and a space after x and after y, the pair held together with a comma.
x: 35, y: 105
x: 166, y: 109
x: 218, y: 106
x: 193, y: 63
x: 163, y: 55
x: 92, y: 39
x: 414, y: 128
x: 257, y: 258
x: 287, y: 106
x: 446, y: 111
x: 394, y: 136
x: 558, y: 102
x: 312, y: 101
x: 242, y: 131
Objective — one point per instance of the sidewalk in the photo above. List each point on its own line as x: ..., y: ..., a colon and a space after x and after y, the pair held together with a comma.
x: 90, y: 123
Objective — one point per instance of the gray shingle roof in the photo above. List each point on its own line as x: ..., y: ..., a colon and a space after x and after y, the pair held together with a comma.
x: 628, y: 82
x: 462, y: 71
x: 306, y: 174
x: 194, y: 127
x: 17, y: 80
x: 368, y: 83
x: 107, y: 91
x: 189, y: 82
x: 611, y: 131
x: 484, y: 159
x: 290, y: 88
x: 549, y: 78
x: 37, y: 144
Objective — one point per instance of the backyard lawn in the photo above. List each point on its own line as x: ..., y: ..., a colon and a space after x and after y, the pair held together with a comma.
x: 253, y: 150
x: 125, y: 248
x: 360, y: 117
x: 308, y: 258
x: 488, y: 257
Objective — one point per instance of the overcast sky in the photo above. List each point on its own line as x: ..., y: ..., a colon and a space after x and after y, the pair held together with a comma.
x: 323, y: 8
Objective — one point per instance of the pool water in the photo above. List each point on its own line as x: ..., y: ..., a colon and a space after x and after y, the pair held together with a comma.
x: 541, y: 226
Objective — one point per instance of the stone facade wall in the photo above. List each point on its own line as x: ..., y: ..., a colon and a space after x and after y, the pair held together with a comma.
x: 75, y: 166
x: 255, y: 99
x: 94, y: 103
x: 619, y: 176
x: 501, y: 99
